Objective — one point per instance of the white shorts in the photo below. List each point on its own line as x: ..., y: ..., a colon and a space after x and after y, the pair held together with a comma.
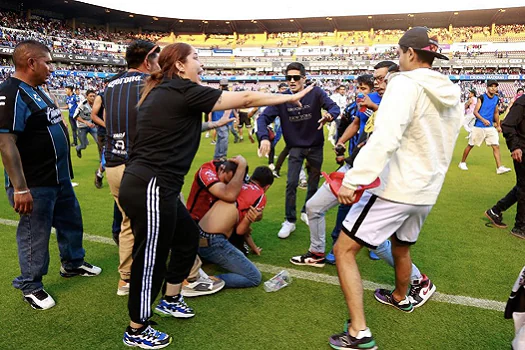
x: 478, y: 135
x: 372, y: 220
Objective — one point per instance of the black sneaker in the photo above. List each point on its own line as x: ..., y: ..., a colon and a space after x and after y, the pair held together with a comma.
x: 79, y: 153
x: 40, y: 300
x: 146, y: 338
x: 309, y: 259
x: 98, y: 180
x: 85, y: 269
x: 420, y: 291
x: 363, y: 340
x: 384, y: 296
x: 518, y: 232
x: 495, y: 218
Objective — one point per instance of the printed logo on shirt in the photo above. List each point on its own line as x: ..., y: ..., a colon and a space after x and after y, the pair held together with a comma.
x: 2, y: 100
x: 53, y: 115
x: 119, y: 146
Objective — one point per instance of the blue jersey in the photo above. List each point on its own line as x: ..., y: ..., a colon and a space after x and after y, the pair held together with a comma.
x: 72, y: 104
x: 363, y: 118
x: 216, y: 115
x: 488, y: 106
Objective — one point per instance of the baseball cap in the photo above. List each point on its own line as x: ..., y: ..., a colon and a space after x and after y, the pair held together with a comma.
x: 492, y: 82
x: 223, y: 82
x: 417, y: 38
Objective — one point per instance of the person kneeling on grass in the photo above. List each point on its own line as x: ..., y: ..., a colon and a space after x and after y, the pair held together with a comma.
x: 223, y: 218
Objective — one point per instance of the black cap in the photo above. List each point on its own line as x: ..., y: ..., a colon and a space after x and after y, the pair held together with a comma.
x: 418, y: 39
x: 492, y: 82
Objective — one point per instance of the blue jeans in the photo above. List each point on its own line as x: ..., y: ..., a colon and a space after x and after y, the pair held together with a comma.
x: 54, y: 206
x: 221, y: 147
x: 243, y: 273
x: 82, y: 135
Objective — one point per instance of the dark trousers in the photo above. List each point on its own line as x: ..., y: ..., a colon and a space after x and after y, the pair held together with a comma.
x: 281, y: 158
x: 160, y: 223
x: 314, y: 157
x: 117, y: 221
x: 74, y: 128
x: 516, y: 195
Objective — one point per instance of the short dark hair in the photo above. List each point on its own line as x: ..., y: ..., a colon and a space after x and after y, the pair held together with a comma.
x: 366, y: 79
x: 24, y: 49
x: 228, y: 166
x: 422, y: 56
x: 296, y: 66
x: 519, y: 89
x: 137, y: 51
x: 263, y: 176
x: 341, y: 86
x: 393, y: 69
x: 70, y: 87
x: 384, y: 64
x: 90, y: 92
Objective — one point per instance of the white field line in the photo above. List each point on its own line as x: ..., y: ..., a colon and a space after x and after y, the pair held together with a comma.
x: 333, y: 280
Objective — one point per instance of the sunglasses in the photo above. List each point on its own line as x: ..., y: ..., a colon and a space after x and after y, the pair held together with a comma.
x: 296, y: 77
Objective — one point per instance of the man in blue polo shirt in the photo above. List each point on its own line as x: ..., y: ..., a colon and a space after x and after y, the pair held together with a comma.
x: 302, y: 134
x: 486, y: 127
x: 72, y: 101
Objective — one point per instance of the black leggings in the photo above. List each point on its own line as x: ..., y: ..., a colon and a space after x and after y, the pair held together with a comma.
x: 160, y: 223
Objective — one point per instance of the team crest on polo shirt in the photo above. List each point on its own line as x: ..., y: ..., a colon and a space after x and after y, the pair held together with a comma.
x: 53, y: 115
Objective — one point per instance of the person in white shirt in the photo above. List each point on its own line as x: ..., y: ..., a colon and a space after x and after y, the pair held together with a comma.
x: 85, y: 124
x: 470, y: 105
x: 415, y: 131
x: 339, y: 97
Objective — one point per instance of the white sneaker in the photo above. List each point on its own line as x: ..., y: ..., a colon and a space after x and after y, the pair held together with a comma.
x: 272, y: 167
x: 204, y: 285
x: 304, y: 218
x: 502, y: 170
x: 40, y: 300
x: 286, y: 228
x: 463, y: 166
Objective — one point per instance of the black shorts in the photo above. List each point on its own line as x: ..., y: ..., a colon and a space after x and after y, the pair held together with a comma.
x: 244, y: 120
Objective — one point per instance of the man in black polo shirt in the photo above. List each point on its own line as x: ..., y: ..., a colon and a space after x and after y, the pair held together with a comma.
x: 121, y: 97
x: 35, y: 151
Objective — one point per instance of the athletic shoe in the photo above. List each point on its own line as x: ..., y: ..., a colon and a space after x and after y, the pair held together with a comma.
x: 385, y: 296
x: 495, y: 218
x: 79, y: 153
x: 271, y: 166
x: 308, y: 259
x: 303, y: 185
x: 286, y: 228
x: 502, y: 170
x: 304, y: 218
x: 176, y: 307
x: 420, y: 291
x: 85, y: 269
x: 213, y: 142
x: 123, y: 287
x: 518, y: 232
x: 40, y: 300
x: 207, y: 135
x: 373, y: 256
x: 98, y: 180
x: 463, y: 166
x: 276, y: 174
x: 363, y: 340
x: 148, y: 338
x: 204, y: 285
x: 330, y: 258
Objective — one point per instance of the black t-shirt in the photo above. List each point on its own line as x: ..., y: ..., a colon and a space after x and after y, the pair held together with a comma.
x: 101, y: 131
x: 169, y: 125
x: 42, y: 138
x: 120, y: 101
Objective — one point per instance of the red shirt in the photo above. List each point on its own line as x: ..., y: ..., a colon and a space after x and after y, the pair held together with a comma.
x: 200, y: 199
x: 251, y: 196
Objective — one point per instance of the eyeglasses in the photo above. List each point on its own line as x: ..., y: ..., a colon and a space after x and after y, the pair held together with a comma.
x: 295, y: 77
x: 379, y: 79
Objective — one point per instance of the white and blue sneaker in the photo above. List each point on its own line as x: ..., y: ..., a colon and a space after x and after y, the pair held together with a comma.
x: 330, y: 258
x: 148, y: 338
x: 174, y: 306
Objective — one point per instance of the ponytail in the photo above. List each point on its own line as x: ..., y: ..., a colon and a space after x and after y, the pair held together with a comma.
x: 151, y: 82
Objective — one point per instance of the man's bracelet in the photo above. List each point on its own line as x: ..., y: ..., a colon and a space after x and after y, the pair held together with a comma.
x: 22, y: 192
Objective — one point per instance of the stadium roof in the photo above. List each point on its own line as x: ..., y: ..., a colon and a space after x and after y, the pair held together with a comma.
x: 284, y: 9
x: 91, y: 14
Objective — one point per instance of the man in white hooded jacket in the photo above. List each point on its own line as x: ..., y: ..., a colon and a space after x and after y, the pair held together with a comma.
x: 415, y: 132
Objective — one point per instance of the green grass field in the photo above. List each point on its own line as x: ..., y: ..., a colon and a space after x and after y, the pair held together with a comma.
x: 459, y: 253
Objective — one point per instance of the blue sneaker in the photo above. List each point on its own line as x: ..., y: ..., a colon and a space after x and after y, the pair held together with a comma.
x: 373, y: 255
x: 148, y: 338
x: 177, y: 308
x: 330, y: 258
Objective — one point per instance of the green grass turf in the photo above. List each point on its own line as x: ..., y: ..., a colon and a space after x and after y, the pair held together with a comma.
x: 459, y: 253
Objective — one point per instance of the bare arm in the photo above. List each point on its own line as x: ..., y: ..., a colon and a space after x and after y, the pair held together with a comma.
x: 13, y: 166
x: 94, y: 112
x: 245, y: 99
x: 350, y: 131
x: 229, y: 192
